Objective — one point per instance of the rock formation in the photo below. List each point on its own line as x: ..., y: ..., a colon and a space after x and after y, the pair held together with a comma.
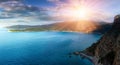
x: 107, y: 50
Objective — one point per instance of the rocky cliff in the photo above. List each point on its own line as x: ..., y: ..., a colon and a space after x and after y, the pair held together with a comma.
x: 107, y: 50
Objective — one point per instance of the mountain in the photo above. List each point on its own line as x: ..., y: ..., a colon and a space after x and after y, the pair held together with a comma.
x: 82, y: 26
x: 107, y: 50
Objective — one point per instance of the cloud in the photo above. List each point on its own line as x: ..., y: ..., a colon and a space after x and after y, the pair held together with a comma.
x: 53, y: 0
x: 17, y: 6
x: 18, y: 9
x: 8, y: 0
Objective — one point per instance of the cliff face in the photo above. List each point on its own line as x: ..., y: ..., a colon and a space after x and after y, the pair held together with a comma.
x: 107, y: 49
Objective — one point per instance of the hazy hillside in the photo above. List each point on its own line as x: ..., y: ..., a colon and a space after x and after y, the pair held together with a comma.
x: 84, y: 26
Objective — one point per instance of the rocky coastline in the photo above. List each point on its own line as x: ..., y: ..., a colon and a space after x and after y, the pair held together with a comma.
x: 107, y: 50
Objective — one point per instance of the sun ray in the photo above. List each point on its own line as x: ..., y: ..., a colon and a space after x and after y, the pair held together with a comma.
x: 78, y: 9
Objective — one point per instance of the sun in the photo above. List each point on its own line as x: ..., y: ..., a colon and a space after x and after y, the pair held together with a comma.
x: 77, y: 10
x: 81, y: 13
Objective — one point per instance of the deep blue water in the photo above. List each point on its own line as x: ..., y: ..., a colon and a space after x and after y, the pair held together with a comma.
x: 43, y: 48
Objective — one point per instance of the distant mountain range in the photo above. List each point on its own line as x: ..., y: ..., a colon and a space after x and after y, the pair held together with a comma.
x: 73, y: 26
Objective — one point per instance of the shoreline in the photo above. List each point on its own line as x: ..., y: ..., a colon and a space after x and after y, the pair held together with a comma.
x: 58, y: 31
x: 94, y: 60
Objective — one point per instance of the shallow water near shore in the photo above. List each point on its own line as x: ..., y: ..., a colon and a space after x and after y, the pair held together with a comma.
x: 43, y: 48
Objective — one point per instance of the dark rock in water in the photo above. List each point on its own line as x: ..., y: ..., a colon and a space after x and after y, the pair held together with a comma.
x: 107, y: 50
x: 76, y: 53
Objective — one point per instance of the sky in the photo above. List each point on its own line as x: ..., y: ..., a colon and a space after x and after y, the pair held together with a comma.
x: 39, y: 12
x: 107, y: 5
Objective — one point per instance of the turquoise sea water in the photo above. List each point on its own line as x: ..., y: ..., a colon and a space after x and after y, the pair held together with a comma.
x: 43, y: 48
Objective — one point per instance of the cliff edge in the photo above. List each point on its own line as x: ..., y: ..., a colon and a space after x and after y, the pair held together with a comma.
x: 107, y: 50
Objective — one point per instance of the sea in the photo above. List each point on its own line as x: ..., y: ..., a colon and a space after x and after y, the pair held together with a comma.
x: 44, y: 48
